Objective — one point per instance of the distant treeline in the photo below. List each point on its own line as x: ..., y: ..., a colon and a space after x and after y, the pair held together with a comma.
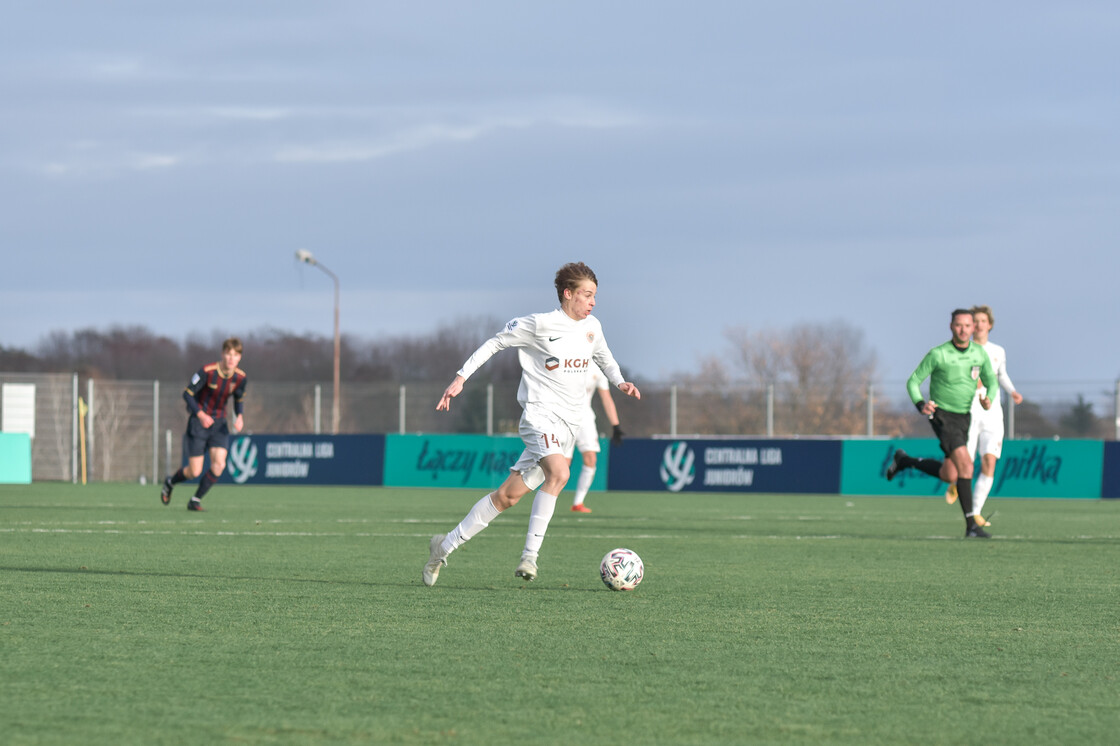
x: 138, y: 353
x: 814, y: 376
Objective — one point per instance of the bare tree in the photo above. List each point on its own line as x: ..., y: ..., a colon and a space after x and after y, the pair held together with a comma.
x: 121, y: 352
x: 820, y: 374
x: 715, y: 402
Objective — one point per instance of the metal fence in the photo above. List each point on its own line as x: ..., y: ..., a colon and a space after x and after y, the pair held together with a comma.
x: 53, y: 453
x: 132, y: 430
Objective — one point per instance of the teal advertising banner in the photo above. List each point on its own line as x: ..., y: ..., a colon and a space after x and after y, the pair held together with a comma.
x: 1049, y: 468
x: 476, y: 461
x: 15, y: 458
x: 1028, y: 468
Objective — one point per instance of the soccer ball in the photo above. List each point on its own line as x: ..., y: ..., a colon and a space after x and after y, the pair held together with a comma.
x: 621, y: 570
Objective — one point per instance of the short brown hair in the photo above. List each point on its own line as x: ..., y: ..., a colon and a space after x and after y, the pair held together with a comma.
x: 570, y: 276
x: 959, y: 312
x: 986, y: 310
x: 233, y: 343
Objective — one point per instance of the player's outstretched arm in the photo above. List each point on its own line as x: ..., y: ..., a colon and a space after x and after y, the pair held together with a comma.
x: 452, y: 391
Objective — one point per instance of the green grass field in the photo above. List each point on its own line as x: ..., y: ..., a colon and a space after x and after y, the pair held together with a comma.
x: 295, y: 615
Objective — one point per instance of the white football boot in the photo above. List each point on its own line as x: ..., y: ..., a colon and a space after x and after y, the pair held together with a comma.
x: 526, y: 569
x: 436, y: 559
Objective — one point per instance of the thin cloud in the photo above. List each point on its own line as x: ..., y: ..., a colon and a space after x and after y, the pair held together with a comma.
x: 103, y: 163
x: 146, y: 162
x: 418, y: 138
x: 252, y: 113
x: 423, y: 136
x: 100, y: 68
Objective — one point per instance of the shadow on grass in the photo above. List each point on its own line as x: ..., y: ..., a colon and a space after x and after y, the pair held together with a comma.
x: 68, y: 507
x: 316, y: 581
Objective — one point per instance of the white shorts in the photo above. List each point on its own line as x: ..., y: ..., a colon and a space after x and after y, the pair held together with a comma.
x: 986, y: 434
x: 544, y: 434
x: 587, y: 439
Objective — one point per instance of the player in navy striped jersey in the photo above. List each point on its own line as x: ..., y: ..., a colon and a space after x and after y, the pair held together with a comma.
x: 207, y: 395
x: 556, y: 350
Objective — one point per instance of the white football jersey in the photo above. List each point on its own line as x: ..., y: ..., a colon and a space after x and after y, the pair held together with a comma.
x: 587, y: 435
x: 596, y: 382
x: 556, y: 354
x: 998, y: 356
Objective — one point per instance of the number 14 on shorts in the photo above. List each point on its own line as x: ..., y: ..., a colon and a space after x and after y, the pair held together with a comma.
x: 549, y: 440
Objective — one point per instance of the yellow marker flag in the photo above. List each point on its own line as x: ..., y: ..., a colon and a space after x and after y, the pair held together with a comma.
x: 82, y: 410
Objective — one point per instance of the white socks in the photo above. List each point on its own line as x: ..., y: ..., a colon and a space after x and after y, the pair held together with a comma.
x: 544, y: 505
x: 980, y: 492
x: 477, y: 519
x: 583, y: 484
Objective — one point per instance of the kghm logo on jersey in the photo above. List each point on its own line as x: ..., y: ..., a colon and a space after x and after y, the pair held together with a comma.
x: 551, y: 363
x: 242, y: 459
x: 678, y: 466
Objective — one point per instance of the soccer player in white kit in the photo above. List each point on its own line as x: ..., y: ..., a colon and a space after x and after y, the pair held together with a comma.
x: 587, y: 439
x: 556, y: 350
x: 985, y: 434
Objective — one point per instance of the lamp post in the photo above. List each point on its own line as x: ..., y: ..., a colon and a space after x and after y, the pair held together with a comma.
x: 307, y: 257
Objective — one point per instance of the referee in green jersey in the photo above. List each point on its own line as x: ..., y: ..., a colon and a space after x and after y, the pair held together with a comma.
x: 953, y: 370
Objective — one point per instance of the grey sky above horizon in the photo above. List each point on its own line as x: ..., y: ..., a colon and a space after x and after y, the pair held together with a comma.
x: 719, y: 165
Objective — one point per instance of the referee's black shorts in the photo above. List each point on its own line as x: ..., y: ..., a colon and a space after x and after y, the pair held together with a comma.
x: 951, y: 429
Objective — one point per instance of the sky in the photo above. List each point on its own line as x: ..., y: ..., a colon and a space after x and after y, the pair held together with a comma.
x: 720, y: 165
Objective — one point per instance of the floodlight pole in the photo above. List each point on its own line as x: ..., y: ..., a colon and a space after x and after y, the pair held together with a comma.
x: 307, y: 257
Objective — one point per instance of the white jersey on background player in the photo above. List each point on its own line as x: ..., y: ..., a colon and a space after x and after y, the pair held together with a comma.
x: 986, y: 430
x: 587, y: 437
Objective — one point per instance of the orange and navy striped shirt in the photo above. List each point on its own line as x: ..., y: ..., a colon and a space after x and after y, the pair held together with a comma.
x: 208, y: 390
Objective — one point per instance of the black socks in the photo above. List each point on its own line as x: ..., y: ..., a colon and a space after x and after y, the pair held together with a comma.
x: 208, y: 480
x: 928, y: 465
x: 964, y: 494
